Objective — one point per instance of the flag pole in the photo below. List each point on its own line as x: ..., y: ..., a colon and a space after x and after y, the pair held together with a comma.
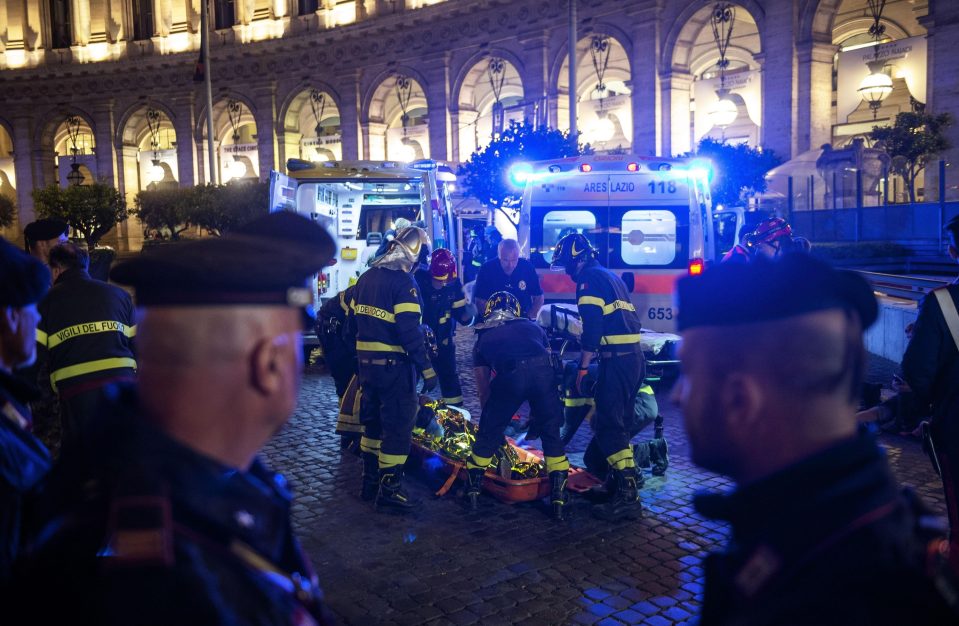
x: 208, y: 81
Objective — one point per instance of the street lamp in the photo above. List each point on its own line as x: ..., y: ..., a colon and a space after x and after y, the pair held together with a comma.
x: 725, y: 111
x: 603, y: 129
x: 496, y: 73
x: 155, y: 173
x: 404, y: 91
x: 75, y: 178
x: 877, y: 85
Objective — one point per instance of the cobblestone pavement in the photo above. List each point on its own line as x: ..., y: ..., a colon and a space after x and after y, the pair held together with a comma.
x: 506, y: 564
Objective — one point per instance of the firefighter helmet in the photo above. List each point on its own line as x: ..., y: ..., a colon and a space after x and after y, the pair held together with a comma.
x: 570, y: 250
x: 404, y: 250
x: 768, y: 231
x: 443, y: 265
x: 504, y: 303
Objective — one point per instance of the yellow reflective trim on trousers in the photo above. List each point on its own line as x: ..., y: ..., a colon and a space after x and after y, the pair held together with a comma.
x: 612, y: 340
x: 392, y: 460
x: 376, y: 346
x: 428, y: 372
x: 609, y: 309
x: 591, y: 300
x: 577, y: 402
x: 375, y: 313
x: 459, y: 303
x: 647, y: 390
x: 453, y: 400
x: 41, y: 337
x: 444, y: 319
x: 557, y: 464
x: 478, y: 462
x: 407, y: 307
x: 619, y: 459
x: 89, y: 328
x: 90, y: 367
x: 370, y: 445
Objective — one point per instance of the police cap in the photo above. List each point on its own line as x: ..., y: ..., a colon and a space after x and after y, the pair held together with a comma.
x: 266, y: 262
x: 763, y: 290
x: 23, y: 279
x: 45, y: 229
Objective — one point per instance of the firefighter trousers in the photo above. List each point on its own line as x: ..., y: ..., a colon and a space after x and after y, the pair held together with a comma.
x: 529, y: 380
x: 616, y: 386
x: 388, y: 409
x: 445, y: 366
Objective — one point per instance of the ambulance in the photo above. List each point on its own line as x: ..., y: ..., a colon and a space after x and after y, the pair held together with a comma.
x: 650, y: 218
x: 359, y: 203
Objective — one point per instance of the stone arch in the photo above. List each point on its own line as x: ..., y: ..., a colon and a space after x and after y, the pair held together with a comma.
x: 861, y: 25
x: 387, y: 136
x: 385, y: 76
x: 474, y: 100
x: 127, y: 122
x: 559, y: 60
x: 143, y: 166
x: 244, y: 162
x: 289, y: 100
x: 684, y: 28
x: 220, y: 118
x: 47, y: 135
x: 477, y: 57
x: 298, y: 125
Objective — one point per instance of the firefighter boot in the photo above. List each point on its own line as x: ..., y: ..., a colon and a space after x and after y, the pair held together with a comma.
x: 474, y: 486
x: 624, y: 503
x: 391, y: 495
x: 659, y: 456
x: 559, y: 495
x: 371, y: 477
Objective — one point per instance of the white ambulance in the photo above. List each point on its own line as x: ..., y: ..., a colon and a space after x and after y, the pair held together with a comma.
x: 650, y: 218
x: 359, y: 202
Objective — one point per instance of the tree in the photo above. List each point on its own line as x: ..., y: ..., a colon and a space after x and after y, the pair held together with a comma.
x: 8, y: 211
x: 486, y: 172
x: 739, y: 171
x: 166, y: 209
x: 221, y: 208
x: 92, y: 210
x: 913, y: 140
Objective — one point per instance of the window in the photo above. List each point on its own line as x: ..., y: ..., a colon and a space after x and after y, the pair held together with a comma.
x: 142, y: 19
x: 649, y: 237
x: 223, y: 14
x: 558, y: 224
x: 308, y: 6
x: 61, y: 35
x: 379, y: 219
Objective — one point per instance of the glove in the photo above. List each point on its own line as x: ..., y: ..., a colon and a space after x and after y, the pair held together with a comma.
x: 430, y: 381
x: 580, y: 375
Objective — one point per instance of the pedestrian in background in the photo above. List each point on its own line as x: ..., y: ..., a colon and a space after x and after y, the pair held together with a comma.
x: 773, y: 362
x: 25, y: 461
x: 86, y: 334
x: 175, y: 519
x: 41, y: 236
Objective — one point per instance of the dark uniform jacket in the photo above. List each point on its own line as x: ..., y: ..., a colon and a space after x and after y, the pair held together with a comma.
x: 386, y: 316
x: 331, y: 323
x: 87, y: 327
x: 522, y: 283
x: 610, y: 321
x: 830, y: 540
x: 156, y: 533
x: 931, y: 362
x: 441, y: 307
x: 498, y: 347
x: 24, y: 461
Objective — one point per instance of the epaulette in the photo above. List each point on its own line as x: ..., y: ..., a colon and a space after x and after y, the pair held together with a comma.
x: 139, y: 532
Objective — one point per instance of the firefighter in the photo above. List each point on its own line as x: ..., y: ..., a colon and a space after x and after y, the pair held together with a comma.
x: 390, y: 350
x: 771, y: 238
x: 514, y: 366
x: 86, y: 333
x: 444, y: 306
x: 339, y: 353
x: 611, y: 331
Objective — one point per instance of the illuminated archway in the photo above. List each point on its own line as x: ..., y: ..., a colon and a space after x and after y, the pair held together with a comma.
x: 235, y: 140
x: 311, y: 127
x: 489, y: 81
x: 397, y: 120
x: 73, y: 146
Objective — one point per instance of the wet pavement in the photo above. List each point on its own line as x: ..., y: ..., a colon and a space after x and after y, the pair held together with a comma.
x: 509, y: 564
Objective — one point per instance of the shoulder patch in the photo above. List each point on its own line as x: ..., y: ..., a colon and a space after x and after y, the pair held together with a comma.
x: 413, y: 292
x: 140, y: 532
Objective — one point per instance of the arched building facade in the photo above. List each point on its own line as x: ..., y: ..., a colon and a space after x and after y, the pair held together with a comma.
x: 108, y: 85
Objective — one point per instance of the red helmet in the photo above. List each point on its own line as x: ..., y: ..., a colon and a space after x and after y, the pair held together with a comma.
x: 769, y: 231
x: 443, y: 265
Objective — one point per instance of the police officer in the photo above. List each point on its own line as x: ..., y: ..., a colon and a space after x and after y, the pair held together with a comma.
x: 611, y: 330
x: 86, y: 333
x: 508, y: 272
x: 41, y: 236
x: 444, y: 305
x: 25, y: 459
x: 513, y: 360
x: 176, y: 520
x: 391, y: 350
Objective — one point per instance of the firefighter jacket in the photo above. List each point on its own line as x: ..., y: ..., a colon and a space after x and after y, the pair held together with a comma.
x: 332, y: 318
x: 610, y: 321
x: 442, y: 307
x: 386, y: 314
x: 86, y: 329
x: 24, y: 461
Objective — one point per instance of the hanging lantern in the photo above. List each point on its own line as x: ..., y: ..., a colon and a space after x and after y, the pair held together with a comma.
x: 877, y: 85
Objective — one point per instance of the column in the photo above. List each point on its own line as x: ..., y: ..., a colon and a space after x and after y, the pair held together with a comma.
x: 27, y: 175
x: 186, y: 154
x: 80, y: 21
x: 942, y: 82
x: 374, y: 141
x: 677, y: 136
x: 814, y: 117
x: 349, y: 106
x: 265, y: 116
x: 645, y: 77
x: 104, y: 129
x: 129, y: 232
x: 465, y: 121
x: 438, y: 105
x: 779, y: 91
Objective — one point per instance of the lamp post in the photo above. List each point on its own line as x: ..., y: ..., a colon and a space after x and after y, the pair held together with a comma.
x: 877, y: 85
x: 234, y: 111
x: 722, y: 20
x: 404, y: 91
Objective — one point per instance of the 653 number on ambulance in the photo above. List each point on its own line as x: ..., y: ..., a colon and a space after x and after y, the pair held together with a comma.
x: 359, y: 203
x: 649, y: 218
